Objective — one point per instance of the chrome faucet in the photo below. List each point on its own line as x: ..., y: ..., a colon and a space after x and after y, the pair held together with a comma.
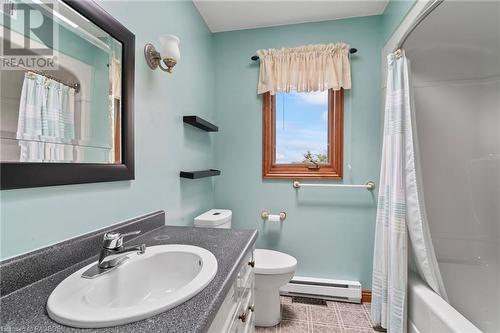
x: 113, y: 250
x: 113, y: 253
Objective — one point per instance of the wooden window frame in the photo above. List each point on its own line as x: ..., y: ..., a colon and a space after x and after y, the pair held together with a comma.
x: 332, y: 170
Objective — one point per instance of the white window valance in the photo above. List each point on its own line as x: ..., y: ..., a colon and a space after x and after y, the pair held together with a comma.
x: 305, y: 68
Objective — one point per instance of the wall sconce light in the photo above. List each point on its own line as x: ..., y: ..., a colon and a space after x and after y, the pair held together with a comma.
x: 168, y: 56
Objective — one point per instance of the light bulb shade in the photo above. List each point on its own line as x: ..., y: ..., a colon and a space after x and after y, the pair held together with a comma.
x: 169, y: 47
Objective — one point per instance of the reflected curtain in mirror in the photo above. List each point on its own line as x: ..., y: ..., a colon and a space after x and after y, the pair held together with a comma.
x: 46, y: 120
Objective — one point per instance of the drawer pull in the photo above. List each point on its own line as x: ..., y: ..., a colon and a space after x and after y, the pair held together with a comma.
x: 251, y: 263
x: 243, y: 317
x: 252, y: 307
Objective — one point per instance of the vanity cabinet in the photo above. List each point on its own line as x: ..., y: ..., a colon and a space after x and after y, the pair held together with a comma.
x: 236, y: 314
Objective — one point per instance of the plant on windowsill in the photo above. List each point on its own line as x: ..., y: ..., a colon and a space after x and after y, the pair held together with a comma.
x: 313, y: 161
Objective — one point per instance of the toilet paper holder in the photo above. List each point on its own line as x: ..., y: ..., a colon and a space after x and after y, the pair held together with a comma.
x: 265, y: 215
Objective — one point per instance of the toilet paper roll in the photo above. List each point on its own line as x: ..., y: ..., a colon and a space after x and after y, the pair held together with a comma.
x: 274, y: 218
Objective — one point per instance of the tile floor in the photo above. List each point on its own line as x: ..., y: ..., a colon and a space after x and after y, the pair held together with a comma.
x: 330, y: 318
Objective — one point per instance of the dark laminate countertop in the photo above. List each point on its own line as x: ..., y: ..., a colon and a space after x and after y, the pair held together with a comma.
x: 24, y: 309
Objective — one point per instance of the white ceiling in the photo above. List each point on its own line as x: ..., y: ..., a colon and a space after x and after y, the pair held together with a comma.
x: 238, y: 15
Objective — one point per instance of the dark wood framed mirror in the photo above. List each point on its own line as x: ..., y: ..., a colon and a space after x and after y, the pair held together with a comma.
x: 88, y: 136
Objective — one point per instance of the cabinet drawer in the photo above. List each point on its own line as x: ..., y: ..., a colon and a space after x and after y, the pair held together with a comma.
x: 245, y: 272
x: 245, y: 312
x: 225, y: 318
x: 236, y: 314
x: 247, y: 324
x: 250, y: 325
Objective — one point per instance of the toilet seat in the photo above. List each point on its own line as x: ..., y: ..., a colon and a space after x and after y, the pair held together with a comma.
x: 273, y: 262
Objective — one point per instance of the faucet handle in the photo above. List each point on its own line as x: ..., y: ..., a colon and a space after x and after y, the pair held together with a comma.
x: 113, y: 239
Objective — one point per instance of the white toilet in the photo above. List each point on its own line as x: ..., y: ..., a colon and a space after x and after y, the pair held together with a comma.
x: 273, y: 270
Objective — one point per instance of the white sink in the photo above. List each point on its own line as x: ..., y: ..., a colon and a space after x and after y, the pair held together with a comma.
x: 144, y: 285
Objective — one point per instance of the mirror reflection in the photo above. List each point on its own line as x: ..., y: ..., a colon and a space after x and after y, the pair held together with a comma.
x: 66, y: 111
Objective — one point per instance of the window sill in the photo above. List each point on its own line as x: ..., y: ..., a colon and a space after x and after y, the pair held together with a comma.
x: 280, y: 174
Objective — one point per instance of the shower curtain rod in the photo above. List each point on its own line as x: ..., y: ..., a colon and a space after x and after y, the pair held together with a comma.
x: 417, y: 21
x: 75, y: 86
x: 352, y: 50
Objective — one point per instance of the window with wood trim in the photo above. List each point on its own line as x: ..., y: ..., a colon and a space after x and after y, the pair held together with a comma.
x: 303, y: 135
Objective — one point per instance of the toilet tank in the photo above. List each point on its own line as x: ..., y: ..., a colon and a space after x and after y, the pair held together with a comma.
x: 214, y: 218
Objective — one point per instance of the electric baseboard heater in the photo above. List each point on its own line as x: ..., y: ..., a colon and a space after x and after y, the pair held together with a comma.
x: 335, y: 290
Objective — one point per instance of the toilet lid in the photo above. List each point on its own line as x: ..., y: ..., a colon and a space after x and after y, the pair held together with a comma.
x: 273, y: 262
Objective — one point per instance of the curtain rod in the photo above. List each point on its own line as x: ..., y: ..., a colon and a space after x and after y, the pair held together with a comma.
x: 352, y: 50
x: 420, y: 18
x: 75, y: 86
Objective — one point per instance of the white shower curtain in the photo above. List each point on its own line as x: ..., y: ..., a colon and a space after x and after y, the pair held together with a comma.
x: 400, y: 211
x: 46, y: 120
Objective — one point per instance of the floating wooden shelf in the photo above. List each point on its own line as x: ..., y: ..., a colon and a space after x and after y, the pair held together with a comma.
x: 200, y: 174
x: 200, y: 123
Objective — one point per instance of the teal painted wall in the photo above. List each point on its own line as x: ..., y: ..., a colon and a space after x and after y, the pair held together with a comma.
x: 393, y: 15
x: 32, y: 218
x: 329, y: 231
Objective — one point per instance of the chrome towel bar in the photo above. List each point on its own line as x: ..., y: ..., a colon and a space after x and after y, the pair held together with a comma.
x: 369, y: 185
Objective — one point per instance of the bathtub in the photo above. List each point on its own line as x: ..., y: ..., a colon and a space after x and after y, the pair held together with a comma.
x: 429, y: 313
